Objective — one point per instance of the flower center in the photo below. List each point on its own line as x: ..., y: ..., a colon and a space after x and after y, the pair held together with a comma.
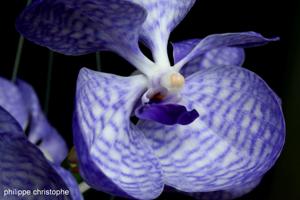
x: 161, y: 101
x: 172, y: 81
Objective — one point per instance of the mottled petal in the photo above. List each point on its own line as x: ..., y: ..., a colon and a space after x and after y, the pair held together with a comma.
x: 76, y: 27
x: 236, y: 139
x: 243, y: 40
x: 70, y: 182
x: 224, y: 56
x: 163, y: 16
x: 168, y: 114
x: 12, y: 101
x: 23, y: 167
x: 39, y: 129
x: 113, y: 154
x: 8, y: 123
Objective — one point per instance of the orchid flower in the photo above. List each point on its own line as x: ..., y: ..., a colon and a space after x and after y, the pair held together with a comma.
x: 205, y: 123
x: 19, y: 112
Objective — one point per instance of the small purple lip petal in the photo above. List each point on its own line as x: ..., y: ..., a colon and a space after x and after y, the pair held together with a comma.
x: 168, y: 114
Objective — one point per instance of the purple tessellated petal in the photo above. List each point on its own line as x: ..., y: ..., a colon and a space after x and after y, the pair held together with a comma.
x: 23, y: 167
x: 237, y: 138
x: 224, y: 56
x: 162, y: 17
x: 76, y: 27
x: 70, y: 182
x: 168, y: 114
x: 12, y: 101
x: 40, y: 130
x: 113, y: 154
x: 8, y: 123
x: 242, y: 40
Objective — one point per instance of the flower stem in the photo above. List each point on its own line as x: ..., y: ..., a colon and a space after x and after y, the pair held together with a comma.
x: 18, y: 54
x: 48, y: 87
x: 17, y: 59
x: 98, y: 61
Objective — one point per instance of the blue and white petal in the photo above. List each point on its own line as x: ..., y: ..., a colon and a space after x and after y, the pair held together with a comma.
x: 12, y: 101
x: 242, y: 40
x: 237, y: 138
x: 162, y: 17
x: 113, y: 154
x: 76, y: 27
x: 224, y: 56
x: 39, y: 129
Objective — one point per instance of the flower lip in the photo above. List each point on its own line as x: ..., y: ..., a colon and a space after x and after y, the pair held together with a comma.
x: 168, y: 114
x: 160, y: 102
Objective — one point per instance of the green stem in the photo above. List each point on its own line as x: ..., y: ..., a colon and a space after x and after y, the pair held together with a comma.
x: 18, y: 54
x: 48, y: 87
x: 17, y: 59
x: 98, y: 61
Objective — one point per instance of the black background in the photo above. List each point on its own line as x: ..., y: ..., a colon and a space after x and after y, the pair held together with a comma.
x: 276, y: 63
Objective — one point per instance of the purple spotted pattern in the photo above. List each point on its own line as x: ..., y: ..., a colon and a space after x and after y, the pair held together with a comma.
x: 188, y: 50
x: 21, y: 101
x: 222, y: 56
x: 76, y: 27
x: 113, y: 153
x: 237, y: 138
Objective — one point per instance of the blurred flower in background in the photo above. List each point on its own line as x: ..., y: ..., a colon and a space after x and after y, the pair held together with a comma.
x: 25, y: 168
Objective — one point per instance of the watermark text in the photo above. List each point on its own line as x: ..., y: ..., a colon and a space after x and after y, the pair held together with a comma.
x: 35, y: 192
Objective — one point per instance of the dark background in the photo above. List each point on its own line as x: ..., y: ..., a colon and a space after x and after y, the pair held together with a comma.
x: 277, y: 63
